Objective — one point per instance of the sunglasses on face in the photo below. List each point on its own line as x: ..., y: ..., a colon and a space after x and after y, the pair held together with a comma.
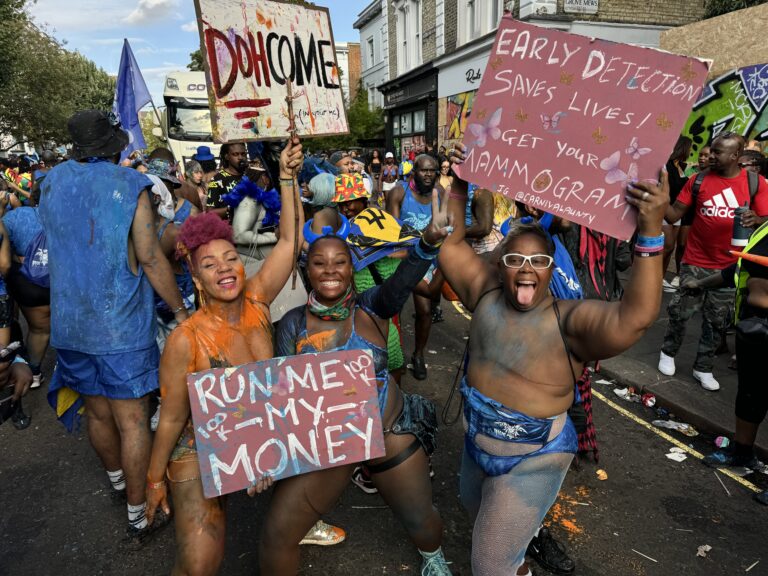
x: 537, y: 261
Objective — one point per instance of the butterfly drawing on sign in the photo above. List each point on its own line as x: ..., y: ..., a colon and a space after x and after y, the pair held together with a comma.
x: 491, y: 129
x: 635, y: 151
x: 550, y: 123
x: 614, y: 173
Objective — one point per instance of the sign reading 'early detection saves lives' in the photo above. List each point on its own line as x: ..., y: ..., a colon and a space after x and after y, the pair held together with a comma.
x: 563, y: 122
x: 283, y: 417
x: 253, y: 48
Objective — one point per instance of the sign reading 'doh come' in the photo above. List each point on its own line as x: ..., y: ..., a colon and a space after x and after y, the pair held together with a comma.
x: 563, y: 122
x: 252, y: 49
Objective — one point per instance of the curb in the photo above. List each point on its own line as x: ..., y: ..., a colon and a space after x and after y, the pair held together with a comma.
x: 632, y: 372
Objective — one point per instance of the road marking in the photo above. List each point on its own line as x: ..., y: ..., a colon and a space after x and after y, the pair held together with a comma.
x: 675, y: 441
x: 623, y: 411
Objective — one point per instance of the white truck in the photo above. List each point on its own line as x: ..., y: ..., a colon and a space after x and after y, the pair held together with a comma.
x: 186, y: 118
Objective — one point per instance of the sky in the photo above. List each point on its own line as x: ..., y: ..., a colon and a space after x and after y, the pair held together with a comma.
x: 161, y: 33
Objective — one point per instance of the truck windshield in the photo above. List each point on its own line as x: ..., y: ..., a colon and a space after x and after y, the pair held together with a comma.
x: 186, y: 122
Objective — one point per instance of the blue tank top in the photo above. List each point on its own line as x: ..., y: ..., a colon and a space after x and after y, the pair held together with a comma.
x: 298, y: 317
x: 98, y: 305
x: 414, y: 212
x: 183, y: 213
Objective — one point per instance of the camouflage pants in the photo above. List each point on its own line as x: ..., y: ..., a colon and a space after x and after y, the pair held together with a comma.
x: 716, y: 310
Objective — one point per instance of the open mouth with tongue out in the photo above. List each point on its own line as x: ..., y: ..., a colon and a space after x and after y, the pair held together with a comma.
x: 525, y: 292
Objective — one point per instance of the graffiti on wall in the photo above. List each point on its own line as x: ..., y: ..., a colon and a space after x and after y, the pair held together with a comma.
x: 734, y: 102
x: 457, y: 112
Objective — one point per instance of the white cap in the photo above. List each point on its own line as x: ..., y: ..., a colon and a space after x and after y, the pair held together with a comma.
x: 389, y: 155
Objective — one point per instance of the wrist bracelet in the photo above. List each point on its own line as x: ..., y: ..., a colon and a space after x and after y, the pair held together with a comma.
x: 179, y: 309
x: 19, y: 360
x: 650, y: 241
x: 645, y: 254
x: 155, y: 485
x: 424, y: 251
x: 287, y: 181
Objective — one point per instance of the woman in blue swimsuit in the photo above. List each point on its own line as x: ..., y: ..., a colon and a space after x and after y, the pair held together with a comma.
x: 338, y: 318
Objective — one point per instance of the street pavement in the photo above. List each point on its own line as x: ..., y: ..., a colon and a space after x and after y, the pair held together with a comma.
x: 648, y: 517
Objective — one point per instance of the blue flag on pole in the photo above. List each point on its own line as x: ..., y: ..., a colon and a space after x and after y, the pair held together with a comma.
x: 131, y: 95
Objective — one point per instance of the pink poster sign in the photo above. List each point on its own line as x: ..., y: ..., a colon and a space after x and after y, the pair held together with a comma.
x: 284, y: 417
x: 563, y: 122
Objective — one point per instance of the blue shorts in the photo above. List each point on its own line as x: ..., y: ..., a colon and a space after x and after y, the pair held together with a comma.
x: 120, y: 376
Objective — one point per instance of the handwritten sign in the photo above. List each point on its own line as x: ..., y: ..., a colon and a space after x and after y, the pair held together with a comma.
x: 284, y: 417
x: 252, y: 48
x: 563, y: 122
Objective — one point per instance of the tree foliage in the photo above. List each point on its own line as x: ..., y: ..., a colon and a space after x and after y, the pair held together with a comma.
x: 42, y: 83
x: 196, y: 61
x: 719, y: 7
x: 364, y: 124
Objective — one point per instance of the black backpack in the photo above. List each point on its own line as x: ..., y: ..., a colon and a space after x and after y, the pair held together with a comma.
x: 753, y: 181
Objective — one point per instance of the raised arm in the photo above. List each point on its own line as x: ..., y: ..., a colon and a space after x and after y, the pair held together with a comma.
x: 598, y: 330
x: 149, y: 254
x: 468, y: 274
x: 175, y: 363
x: 277, y: 268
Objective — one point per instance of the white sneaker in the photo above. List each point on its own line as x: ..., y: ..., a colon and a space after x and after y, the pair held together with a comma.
x: 667, y: 287
x: 37, y: 380
x: 675, y: 282
x: 666, y: 364
x: 707, y: 380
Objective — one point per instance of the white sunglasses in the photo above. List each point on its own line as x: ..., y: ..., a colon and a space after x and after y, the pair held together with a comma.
x: 537, y: 261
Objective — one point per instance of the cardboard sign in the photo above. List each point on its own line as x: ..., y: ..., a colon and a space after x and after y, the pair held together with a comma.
x: 252, y: 47
x: 284, y: 417
x: 562, y: 122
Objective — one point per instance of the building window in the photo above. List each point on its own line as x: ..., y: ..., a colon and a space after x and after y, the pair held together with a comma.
x: 371, y: 54
x: 478, y: 18
x: 418, y: 121
x: 409, y: 36
x: 396, y: 124
x: 405, y: 123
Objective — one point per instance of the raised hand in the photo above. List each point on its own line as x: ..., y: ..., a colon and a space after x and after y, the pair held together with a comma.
x: 291, y: 158
x: 260, y: 486
x: 651, y: 200
x: 442, y: 220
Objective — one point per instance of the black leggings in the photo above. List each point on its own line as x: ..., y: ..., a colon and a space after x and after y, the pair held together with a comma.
x: 752, y: 394
x: 26, y: 294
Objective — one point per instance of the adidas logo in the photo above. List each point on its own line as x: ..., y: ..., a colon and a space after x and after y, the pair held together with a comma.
x: 721, y: 205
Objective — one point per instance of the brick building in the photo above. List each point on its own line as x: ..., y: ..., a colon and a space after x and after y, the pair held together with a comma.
x: 426, y: 57
x: 348, y: 60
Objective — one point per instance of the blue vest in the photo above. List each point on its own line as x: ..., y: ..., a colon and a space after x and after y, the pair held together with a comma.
x: 414, y: 212
x: 98, y: 305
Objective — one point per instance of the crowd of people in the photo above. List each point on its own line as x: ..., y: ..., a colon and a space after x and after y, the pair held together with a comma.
x: 144, y: 270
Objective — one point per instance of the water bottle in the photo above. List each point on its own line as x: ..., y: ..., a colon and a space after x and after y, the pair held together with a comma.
x: 741, y: 233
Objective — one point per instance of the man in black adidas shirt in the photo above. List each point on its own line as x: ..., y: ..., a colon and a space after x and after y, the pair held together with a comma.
x: 234, y: 161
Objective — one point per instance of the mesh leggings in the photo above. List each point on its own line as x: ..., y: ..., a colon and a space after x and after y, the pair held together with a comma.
x: 508, y: 509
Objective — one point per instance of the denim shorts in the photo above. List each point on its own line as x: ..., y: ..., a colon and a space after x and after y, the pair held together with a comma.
x: 121, y: 376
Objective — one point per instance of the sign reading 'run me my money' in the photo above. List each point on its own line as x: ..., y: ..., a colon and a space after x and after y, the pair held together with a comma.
x: 252, y: 49
x: 284, y: 417
x: 563, y: 122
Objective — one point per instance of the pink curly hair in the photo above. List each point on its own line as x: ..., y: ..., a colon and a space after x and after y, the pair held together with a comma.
x: 199, y: 230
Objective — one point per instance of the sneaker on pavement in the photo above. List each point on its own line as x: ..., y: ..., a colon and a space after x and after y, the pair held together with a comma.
x: 667, y: 287
x: 323, y: 534
x: 706, y: 379
x: 666, y: 364
x: 435, y: 565
x: 363, y: 481
x: 37, y: 380
x: 136, y: 538
x: 762, y: 497
x: 728, y: 458
x: 675, y: 282
x: 418, y: 367
x: 550, y: 554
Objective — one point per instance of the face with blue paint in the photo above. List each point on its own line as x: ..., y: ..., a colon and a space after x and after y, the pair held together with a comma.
x: 218, y: 271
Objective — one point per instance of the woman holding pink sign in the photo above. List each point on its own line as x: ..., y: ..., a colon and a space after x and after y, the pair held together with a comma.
x: 231, y: 327
x: 527, y: 349
x: 336, y: 317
